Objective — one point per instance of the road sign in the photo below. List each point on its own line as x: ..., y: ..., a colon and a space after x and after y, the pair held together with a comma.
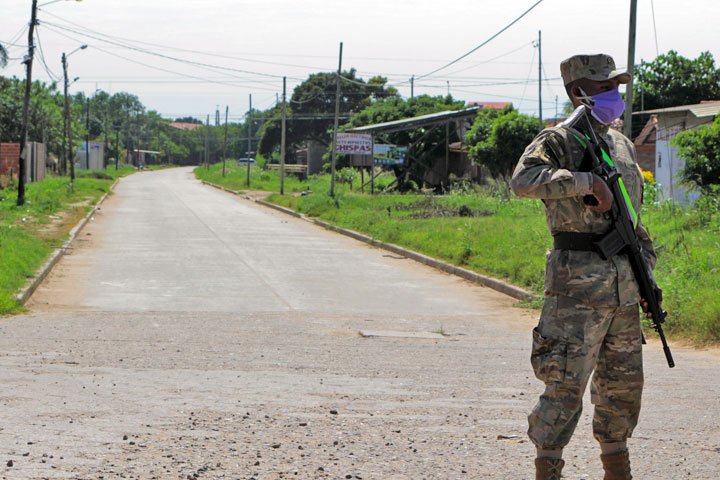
x: 353, y: 143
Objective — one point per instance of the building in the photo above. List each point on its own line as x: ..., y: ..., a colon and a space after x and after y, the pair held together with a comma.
x: 645, y: 145
x: 668, y: 164
x: 185, y: 125
x: 94, y: 161
x: 36, y: 162
x: 489, y: 105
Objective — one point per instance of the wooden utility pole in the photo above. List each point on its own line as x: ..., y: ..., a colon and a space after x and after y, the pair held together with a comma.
x: 117, y: 148
x: 207, y: 143
x: 225, y: 140
x: 540, y: 111
x: 627, y: 129
x: 87, y: 134
x: 26, y: 106
x: 282, y: 141
x: 66, y: 147
x: 335, y: 125
x: 249, y: 129
x: 412, y: 86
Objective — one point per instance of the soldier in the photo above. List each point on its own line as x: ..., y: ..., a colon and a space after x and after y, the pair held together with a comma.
x: 590, y: 319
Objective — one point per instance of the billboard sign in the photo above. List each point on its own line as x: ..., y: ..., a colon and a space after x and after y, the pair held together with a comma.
x: 353, y: 143
x: 385, y: 154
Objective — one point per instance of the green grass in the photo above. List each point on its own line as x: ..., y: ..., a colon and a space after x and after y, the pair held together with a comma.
x: 507, y: 238
x: 28, y: 234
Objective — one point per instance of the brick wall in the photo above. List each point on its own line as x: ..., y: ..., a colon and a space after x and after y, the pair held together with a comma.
x: 9, y: 158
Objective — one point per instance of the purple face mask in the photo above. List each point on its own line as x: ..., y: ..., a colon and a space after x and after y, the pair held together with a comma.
x: 606, y: 106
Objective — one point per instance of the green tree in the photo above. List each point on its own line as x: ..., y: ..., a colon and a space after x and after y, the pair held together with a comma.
x: 672, y: 80
x: 700, y: 148
x: 3, y: 56
x: 425, y: 152
x: 497, y: 140
x: 45, y: 113
x: 310, y: 113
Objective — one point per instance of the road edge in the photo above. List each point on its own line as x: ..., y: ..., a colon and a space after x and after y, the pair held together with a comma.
x: 26, y: 292
x: 484, y: 280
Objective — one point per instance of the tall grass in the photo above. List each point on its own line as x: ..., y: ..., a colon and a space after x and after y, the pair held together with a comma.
x: 497, y: 234
x: 30, y: 232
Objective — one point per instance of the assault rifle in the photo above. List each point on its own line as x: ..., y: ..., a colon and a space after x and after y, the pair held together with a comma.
x: 623, y: 236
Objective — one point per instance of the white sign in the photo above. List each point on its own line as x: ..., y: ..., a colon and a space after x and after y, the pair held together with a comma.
x: 354, y: 143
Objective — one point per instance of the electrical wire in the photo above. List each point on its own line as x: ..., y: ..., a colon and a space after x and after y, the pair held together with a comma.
x: 168, y: 57
x: 524, y: 45
x: 51, y: 74
x: 529, y: 74
x: 154, y: 67
x: 185, y: 50
x: 652, y: 8
x: 483, y: 43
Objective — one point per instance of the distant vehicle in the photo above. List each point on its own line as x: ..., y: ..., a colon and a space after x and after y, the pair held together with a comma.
x: 243, y: 161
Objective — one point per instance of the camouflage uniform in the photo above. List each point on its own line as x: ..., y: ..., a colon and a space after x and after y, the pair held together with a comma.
x: 590, y: 319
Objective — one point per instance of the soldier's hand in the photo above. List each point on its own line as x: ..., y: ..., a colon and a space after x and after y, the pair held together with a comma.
x: 602, y: 194
x: 645, y: 308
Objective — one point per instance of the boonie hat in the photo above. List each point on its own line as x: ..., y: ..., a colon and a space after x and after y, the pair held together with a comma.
x: 597, y: 67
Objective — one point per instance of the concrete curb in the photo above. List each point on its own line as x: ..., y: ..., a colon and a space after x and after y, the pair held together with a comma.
x: 490, y: 282
x: 26, y: 292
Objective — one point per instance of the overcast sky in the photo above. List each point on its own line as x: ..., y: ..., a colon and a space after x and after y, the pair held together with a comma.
x: 257, y: 42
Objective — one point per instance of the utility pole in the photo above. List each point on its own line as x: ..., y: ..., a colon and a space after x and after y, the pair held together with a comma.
x: 412, y: 86
x: 207, y: 143
x: 627, y: 130
x: 249, y: 129
x: 225, y: 140
x: 335, y: 127
x: 26, y: 106
x: 66, y: 108
x: 540, y: 112
x: 282, y: 141
x: 117, y: 147
x: 87, y: 134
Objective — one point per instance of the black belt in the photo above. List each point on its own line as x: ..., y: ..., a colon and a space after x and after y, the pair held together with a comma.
x: 576, y: 241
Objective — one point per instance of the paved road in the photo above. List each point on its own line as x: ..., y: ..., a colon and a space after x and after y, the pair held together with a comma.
x: 191, y: 334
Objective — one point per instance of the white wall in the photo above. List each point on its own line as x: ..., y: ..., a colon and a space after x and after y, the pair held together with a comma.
x: 668, y: 163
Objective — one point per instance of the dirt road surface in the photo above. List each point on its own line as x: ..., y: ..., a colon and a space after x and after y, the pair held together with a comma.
x: 190, y: 334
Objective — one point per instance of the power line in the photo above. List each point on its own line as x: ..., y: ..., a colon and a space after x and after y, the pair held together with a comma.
x: 53, y: 77
x: 166, y: 47
x: 484, y: 43
x: 154, y: 67
x: 168, y: 57
x: 652, y: 8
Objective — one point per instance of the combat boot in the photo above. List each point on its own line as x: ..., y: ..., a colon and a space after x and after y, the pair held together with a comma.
x: 548, y: 468
x: 616, y: 465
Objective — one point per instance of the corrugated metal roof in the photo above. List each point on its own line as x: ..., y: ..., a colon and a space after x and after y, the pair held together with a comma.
x: 417, y: 122
x: 700, y: 110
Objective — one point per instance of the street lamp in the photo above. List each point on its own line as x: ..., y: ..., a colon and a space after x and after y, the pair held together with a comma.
x: 68, y: 124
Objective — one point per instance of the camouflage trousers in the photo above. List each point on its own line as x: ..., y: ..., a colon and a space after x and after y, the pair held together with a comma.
x: 571, y: 340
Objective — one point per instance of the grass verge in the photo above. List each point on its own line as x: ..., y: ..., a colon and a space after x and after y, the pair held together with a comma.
x: 507, y: 238
x: 28, y: 234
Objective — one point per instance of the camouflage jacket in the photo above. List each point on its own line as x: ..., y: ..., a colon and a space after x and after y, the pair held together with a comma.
x: 550, y: 169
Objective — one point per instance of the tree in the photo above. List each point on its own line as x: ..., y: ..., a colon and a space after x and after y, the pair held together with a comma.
x: 497, y: 139
x: 3, y: 56
x: 700, y: 148
x: 310, y: 113
x: 672, y: 80
x: 424, y: 153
